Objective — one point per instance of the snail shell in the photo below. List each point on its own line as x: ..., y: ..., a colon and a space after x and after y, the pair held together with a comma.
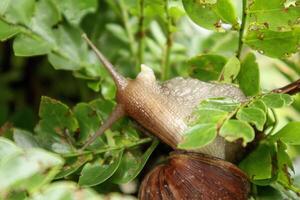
x: 195, y: 176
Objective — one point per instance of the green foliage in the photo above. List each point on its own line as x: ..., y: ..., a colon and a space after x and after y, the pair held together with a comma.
x: 131, y: 32
x: 212, y: 14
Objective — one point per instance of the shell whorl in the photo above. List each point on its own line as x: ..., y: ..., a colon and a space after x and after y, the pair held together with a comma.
x: 194, y: 176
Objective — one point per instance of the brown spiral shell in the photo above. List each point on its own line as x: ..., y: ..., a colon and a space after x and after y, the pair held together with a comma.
x: 194, y: 176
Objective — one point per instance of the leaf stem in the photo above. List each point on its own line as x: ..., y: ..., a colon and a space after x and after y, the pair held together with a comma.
x: 109, y: 148
x: 167, y: 49
x: 242, y: 29
x: 141, y: 35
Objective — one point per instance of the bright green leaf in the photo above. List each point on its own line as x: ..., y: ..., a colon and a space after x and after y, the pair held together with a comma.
x: 274, y: 44
x: 19, y: 11
x: 230, y: 70
x: 7, y: 31
x: 259, y: 104
x: 276, y: 100
x: 31, y: 46
x: 198, y: 136
x: 248, y: 78
x: 227, y: 105
x: 212, y: 14
x: 74, y: 10
x: 234, y: 129
x: 208, y: 116
x: 253, y: 116
x: 289, y: 134
x: 24, y: 139
x: 25, y: 170
x: 7, y: 148
x: 66, y: 191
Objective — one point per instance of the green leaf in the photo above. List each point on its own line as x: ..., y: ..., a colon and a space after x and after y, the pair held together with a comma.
x: 25, y: 170
x: 100, y: 170
x: 234, y: 129
x: 71, y: 53
x: 57, y: 122
x: 72, y: 165
x: 258, y: 164
x: 266, y: 15
x: 248, y: 77
x: 198, y: 136
x: 7, y: 148
x: 274, y: 44
x: 230, y: 70
x: 206, y: 67
x: 132, y: 163
x: 75, y: 10
x: 223, y: 104
x: 275, y: 100
x: 211, y: 14
x: 289, y: 134
x: 88, y: 118
x: 253, y: 116
x: 24, y: 139
x: 259, y: 104
x: 31, y: 45
x: 206, y: 115
x: 7, y: 31
x: 19, y: 11
x: 66, y: 191
x: 284, y: 163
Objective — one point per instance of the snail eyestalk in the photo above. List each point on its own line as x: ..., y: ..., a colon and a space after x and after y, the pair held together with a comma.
x: 119, y: 80
x: 114, y: 116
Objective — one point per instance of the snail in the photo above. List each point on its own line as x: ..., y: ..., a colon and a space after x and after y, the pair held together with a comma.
x: 162, y: 109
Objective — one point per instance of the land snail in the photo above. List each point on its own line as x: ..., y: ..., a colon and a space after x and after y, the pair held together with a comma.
x: 162, y: 109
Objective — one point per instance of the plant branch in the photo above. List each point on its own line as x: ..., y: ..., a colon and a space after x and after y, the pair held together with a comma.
x: 291, y: 88
x: 109, y: 148
x: 167, y: 50
x: 141, y: 35
x: 242, y: 29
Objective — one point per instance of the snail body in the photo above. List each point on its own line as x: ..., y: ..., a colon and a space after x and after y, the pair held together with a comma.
x: 164, y: 109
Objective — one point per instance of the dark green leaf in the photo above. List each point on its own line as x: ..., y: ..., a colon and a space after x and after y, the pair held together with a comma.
x: 72, y: 165
x: 253, y: 116
x: 198, y: 136
x: 88, y: 118
x: 133, y: 161
x: 206, y: 67
x: 234, y: 129
x: 211, y: 14
x: 248, y: 77
x: 258, y: 164
x: 259, y: 104
x: 57, y: 123
x: 99, y: 171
